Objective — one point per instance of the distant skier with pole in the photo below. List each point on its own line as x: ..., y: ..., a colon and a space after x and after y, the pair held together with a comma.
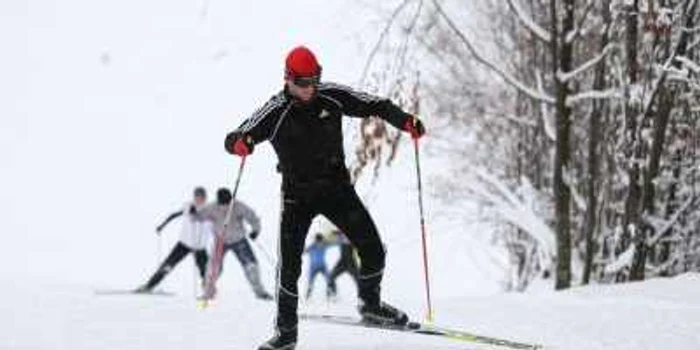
x: 194, y: 236
x: 304, y: 125
x: 235, y: 235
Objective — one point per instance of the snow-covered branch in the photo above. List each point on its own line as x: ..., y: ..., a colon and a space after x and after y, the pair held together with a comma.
x: 688, y: 63
x: 575, y: 195
x: 661, y: 231
x: 566, y: 76
x: 544, y: 111
x: 578, y: 30
x: 381, y: 38
x: 594, y: 95
x: 690, y: 30
x: 527, y: 21
x: 622, y: 261
x: 511, y: 209
x: 510, y: 79
x: 694, y: 44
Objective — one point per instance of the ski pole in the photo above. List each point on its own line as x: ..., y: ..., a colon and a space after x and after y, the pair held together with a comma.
x: 213, y: 273
x: 265, y: 252
x: 423, y: 236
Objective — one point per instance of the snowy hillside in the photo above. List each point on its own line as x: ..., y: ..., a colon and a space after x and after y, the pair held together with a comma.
x: 657, y: 314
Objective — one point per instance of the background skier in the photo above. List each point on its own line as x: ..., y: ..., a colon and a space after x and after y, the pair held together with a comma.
x: 347, y: 262
x: 194, y: 237
x: 235, y: 235
x: 317, y: 263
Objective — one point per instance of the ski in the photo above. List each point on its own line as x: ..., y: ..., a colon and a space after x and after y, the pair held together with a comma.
x: 425, y: 329
x: 133, y: 292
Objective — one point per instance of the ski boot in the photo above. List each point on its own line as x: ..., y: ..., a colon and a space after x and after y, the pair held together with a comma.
x: 383, y: 314
x: 281, y: 341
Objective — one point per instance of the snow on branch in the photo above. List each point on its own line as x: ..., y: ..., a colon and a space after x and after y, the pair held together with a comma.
x: 510, y: 208
x: 544, y: 111
x: 479, y: 57
x: 690, y: 30
x: 694, y: 44
x: 622, y: 261
x: 381, y: 38
x: 662, y: 230
x: 527, y: 21
x: 575, y: 195
x: 594, y: 95
x: 578, y: 30
x: 665, y: 70
x: 566, y: 76
x: 688, y: 63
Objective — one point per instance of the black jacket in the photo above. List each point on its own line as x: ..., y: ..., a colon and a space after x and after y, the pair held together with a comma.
x: 308, y: 137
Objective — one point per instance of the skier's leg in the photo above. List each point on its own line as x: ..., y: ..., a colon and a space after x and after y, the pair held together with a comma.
x: 250, y: 266
x: 327, y: 277
x: 348, y: 213
x: 200, y: 258
x: 296, y: 219
x: 312, y: 277
x: 176, y: 255
x: 337, y: 271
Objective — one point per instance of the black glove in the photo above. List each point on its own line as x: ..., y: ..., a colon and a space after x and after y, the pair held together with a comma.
x: 193, y: 209
x: 254, y: 234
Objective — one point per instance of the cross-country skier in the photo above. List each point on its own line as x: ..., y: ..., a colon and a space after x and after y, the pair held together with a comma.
x: 347, y: 263
x: 317, y: 263
x: 194, y: 237
x: 303, y: 123
x: 235, y: 235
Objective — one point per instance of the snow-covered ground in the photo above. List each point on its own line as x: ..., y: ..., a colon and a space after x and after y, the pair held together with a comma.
x: 657, y: 314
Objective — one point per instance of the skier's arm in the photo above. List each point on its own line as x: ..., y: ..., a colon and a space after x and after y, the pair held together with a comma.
x: 251, y: 218
x: 205, y: 213
x: 170, y: 218
x: 255, y: 129
x: 361, y: 104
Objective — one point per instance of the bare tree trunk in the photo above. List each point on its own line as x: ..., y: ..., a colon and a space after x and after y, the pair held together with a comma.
x: 634, y: 193
x: 665, y: 102
x: 594, y: 138
x: 562, y: 193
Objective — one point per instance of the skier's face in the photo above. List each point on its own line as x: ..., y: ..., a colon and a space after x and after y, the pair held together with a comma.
x: 199, y: 200
x: 302, y: 89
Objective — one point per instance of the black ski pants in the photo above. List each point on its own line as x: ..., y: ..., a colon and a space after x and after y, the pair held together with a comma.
x: 339, y: 203
x: 179, y: 252
x: 345, y: 264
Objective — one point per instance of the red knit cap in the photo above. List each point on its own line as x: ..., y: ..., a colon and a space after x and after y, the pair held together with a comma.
x: 301, y: 62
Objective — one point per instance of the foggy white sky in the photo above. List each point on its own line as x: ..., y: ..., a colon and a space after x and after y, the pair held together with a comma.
x: 110, y: 111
